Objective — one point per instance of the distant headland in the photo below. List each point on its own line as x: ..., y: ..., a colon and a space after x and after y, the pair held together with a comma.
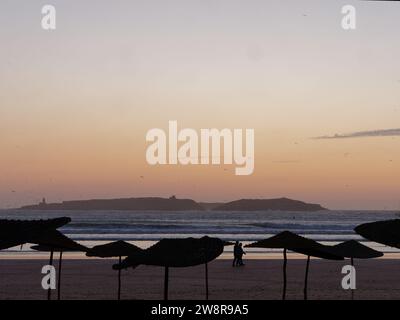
x: 283, y: 204
x: 125, y: 204
x: 174, y: 204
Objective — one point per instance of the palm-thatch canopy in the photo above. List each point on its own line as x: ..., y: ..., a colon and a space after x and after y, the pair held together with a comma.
x: 293, y: 242
x: 176, y: 253
x: 56, y: 241
x: 385, y: 232
x: 289, y: 241
x: 17, y: 232
x: 113, y: 249
x: 354, y: 249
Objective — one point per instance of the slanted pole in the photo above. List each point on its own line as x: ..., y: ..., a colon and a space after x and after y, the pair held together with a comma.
x: 59, y: 276
x: 352, y: 291
x: 284, y: 273
x: 306, y: 278
x: 50, y: 263
x: 166, y: 283
x: 206, y: 269
x: 119, y: 279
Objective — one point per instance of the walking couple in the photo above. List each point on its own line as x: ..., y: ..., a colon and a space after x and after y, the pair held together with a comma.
x: 238, y: 253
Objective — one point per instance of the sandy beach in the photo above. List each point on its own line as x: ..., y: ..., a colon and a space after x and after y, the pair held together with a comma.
x: 259, y: 279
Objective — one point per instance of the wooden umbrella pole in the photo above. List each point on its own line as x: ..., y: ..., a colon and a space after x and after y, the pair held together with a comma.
x: 166, y: 284
x: 119, y: 279
x: 284, y: 274
x: 50, y: 263
x: 306, y: 278
x: 206, y: 267
x: 352, y: 291
x: 59, y: 276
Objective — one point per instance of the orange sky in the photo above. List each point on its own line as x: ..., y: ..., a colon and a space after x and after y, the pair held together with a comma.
x: 76, y: 103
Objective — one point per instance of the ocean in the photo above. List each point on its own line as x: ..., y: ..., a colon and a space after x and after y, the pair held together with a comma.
x: 145, y: 228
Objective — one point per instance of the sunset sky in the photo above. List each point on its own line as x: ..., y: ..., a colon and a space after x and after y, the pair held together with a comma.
x: 76, y: 103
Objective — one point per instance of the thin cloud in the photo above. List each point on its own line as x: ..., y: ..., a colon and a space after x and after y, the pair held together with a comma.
x: 363, y: 134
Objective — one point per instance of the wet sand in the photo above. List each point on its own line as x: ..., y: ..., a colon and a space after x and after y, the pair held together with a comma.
x: 259, y: 279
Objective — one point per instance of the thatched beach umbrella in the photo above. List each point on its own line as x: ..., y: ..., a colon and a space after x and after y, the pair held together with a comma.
x: 385, y: 232
x: 176, y: 253
x: 55, y: 241
x: 18, y: 232
x: 354, y: 250
x: 318, y: 251
x: 41, y: 232
x: 114, y: 249
x: 287, y: 240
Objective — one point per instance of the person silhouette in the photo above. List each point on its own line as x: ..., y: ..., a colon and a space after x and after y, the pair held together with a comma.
x: 235, y: 254
x: 239, y: 261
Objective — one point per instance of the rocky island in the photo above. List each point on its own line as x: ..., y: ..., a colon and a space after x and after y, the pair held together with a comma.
x: 174, y: 204
x: 133, y: 204
x: 283, y: 204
